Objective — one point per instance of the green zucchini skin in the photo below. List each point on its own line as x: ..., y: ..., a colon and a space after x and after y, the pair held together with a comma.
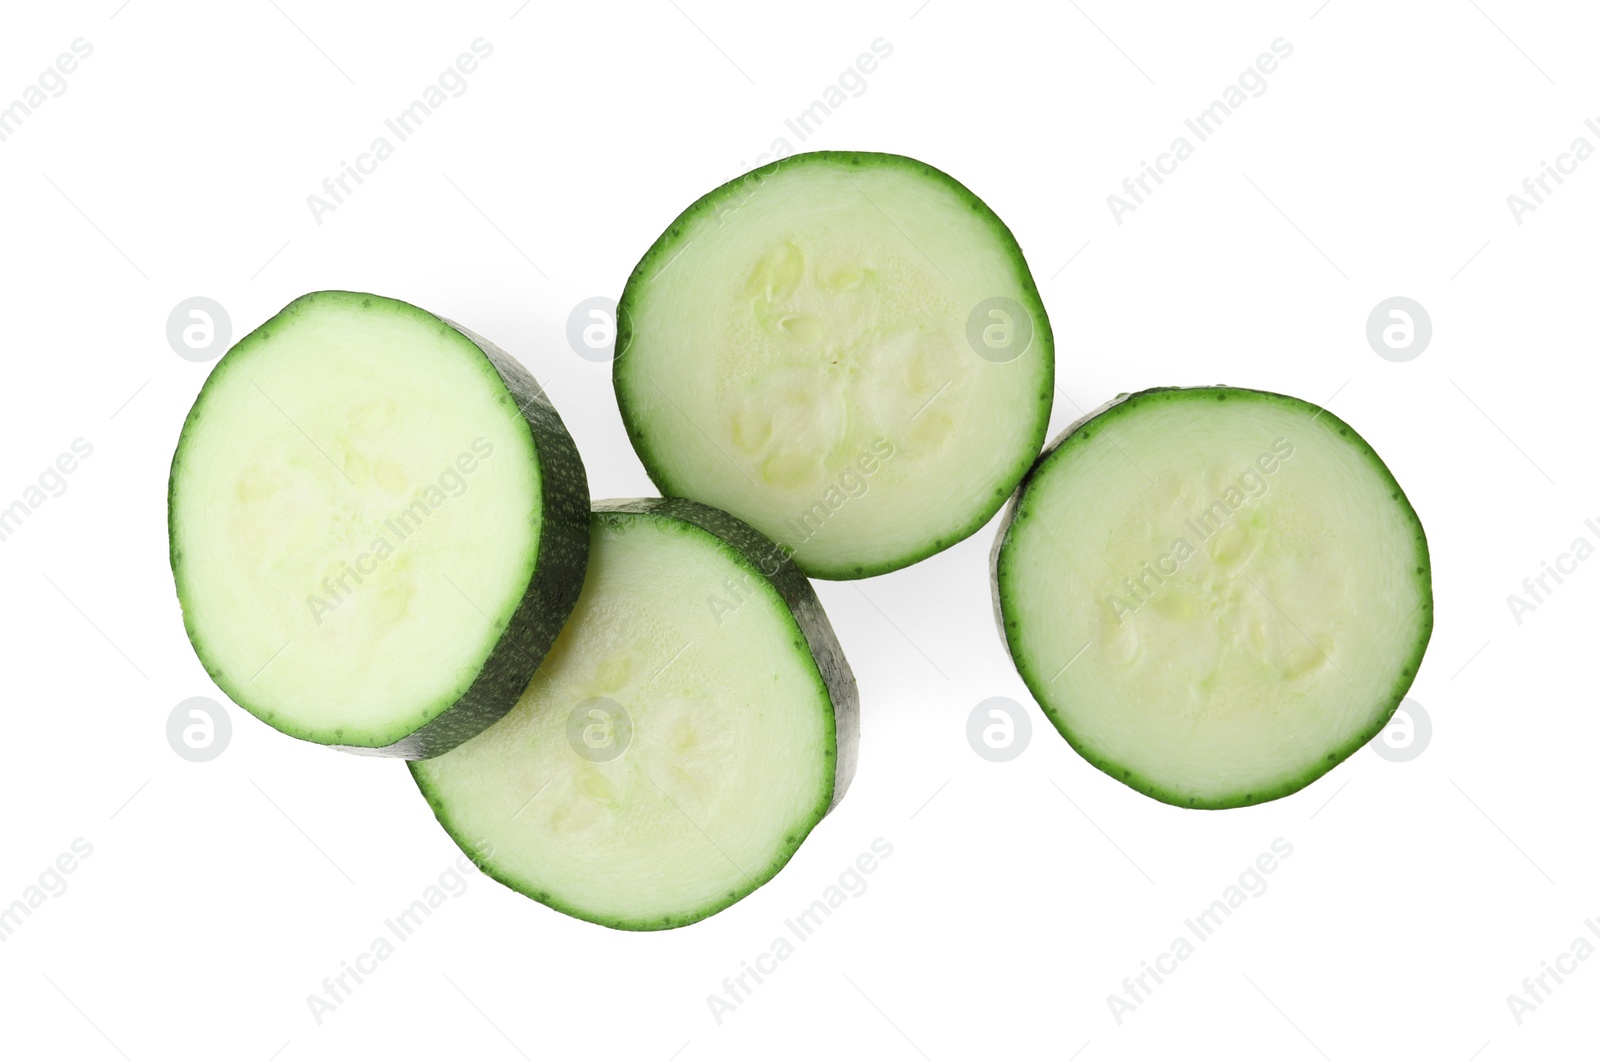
x: 666, y: 246
x: 550, y: 594
x: 1037, y: 683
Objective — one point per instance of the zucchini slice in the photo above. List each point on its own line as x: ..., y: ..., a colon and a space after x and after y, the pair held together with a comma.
x: 1215, y: 594
x: 693, y: 723
x: 378, y: 526
x: 844, y: 349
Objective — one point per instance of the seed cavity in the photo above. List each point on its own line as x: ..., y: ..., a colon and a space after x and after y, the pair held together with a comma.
x: 846, y: 278
x: 1174, y: 605
x: 357, y: 467
x: 684, y: 735
x: 255, y: 485
x: 613, y: 674
x: 1235, y: 545
x: 790, y: 469
x: 752, y: 428
x: 391, y: 477
x: 777, y: 275
x: 803, y: 328
x: 395, y: 601
x: 928, y: 431
x: 594, y: 786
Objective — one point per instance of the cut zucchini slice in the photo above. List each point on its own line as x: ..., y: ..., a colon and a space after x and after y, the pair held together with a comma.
x: 378, y: 526
x: 693, y: 723
x: 844, y: 349
x: 1215, y: 594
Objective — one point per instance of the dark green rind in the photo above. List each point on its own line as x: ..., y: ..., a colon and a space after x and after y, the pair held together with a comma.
x: 561, y: 557
x: 663, y: 249
x: 768, y: 565
x: 1109, y: 413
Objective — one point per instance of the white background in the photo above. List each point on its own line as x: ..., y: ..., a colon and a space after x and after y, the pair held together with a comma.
x: 1378, y: 162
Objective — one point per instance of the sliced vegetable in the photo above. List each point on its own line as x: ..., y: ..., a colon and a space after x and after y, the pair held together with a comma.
x: 1215, y: 594
x: 844, y: 349
x: 378, y: 526
x: 693, y: 723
